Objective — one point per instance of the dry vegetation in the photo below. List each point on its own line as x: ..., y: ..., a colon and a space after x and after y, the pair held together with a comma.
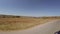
x: 20, y: 22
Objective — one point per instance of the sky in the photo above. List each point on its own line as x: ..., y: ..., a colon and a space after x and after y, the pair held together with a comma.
x: 30, y: 7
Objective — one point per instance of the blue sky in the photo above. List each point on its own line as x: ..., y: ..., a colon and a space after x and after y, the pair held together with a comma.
x: 30, y: 7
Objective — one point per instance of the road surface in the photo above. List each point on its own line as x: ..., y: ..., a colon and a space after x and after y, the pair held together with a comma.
x: 47, y: 28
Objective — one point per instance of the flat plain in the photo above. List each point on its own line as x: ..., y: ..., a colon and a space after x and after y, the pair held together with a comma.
x: 9, y: 22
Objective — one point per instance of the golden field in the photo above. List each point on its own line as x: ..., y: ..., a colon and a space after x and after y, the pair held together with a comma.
x: 22, y: 22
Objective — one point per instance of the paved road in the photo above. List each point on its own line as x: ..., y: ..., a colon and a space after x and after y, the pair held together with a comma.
x: 48, y: 28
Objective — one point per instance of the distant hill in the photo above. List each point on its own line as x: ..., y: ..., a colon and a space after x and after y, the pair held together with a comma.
x: 9, y: 16
x: 14, y: 16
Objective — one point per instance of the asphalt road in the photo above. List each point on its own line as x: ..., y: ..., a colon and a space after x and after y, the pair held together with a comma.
x: 47, y: 28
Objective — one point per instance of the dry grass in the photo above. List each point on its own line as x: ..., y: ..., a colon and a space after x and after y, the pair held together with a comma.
x: 23, y: 23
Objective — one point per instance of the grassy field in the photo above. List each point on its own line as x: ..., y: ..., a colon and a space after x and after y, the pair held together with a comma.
x: 21, y: 23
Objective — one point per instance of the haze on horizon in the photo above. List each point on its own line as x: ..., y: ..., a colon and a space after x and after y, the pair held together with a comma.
x: 30, y: 7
